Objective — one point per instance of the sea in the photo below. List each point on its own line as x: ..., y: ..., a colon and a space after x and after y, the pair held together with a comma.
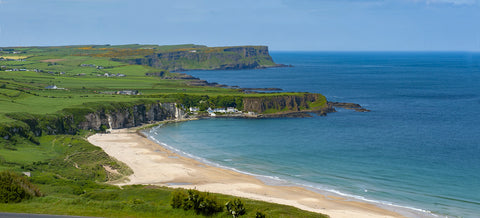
x: 418, y: 149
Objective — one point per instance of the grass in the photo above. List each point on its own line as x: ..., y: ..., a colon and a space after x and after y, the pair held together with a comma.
x: 154, y: 202
x: 25, y: 91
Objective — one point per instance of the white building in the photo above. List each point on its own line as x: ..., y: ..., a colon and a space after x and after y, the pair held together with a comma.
x: 220, y: 110
x: 52, y: 87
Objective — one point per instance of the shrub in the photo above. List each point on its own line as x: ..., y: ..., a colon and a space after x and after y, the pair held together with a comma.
x: 235, y: 208
x: 15, y: 188
x: 103, y: 128
x: 209, y: 205
x: 192, y: 200
x: 259, y: 215
x: 200, y: 202
x: 177, y: 198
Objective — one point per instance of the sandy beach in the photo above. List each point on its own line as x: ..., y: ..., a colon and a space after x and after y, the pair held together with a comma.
x: 155, y: 165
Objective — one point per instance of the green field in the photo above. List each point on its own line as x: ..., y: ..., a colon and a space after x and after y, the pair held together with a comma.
x: 79, y: 80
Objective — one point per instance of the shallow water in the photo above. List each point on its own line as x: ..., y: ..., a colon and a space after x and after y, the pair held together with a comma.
x: 418, y: 148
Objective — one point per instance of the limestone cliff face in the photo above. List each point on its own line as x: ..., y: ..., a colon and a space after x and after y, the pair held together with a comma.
x: 249, y: 51
x: 215, y: 58
x: 28, y: 125
x: 290, y: 103
x: 132, y: 116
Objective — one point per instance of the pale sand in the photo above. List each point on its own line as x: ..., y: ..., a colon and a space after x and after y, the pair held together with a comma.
x: 155, y: 165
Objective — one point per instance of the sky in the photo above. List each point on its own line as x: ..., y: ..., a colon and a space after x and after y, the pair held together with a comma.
x: 283, y: 25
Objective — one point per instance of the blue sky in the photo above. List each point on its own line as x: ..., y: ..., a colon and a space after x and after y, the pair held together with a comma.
x: 321, y: 25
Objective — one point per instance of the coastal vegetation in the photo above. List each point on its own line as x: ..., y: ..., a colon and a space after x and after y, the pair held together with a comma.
x: 15, y: 188
x: 51, y: 98
x: 74, y: 178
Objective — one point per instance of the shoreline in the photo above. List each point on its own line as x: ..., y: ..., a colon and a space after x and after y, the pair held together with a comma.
x: 403, y: 211
x: 154, y: 164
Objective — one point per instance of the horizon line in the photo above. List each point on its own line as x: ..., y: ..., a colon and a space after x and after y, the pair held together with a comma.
x: 270, y: 50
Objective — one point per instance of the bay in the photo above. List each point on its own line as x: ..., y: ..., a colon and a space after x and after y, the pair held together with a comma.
x: 418, y: 148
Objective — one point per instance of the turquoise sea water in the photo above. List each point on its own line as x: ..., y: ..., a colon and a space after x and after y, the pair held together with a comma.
x: 418, y: 148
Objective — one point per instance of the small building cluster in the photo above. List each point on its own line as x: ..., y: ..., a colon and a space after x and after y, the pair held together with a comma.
x: 224, y: 112
x: 16, y: 69
x: 212, y: 112
x: 34, y: 70
x: 21, y: 69
x: 122, y: 92
x: 53, y: 87
x: 112, y: 75
x: 194, y: 109
x: 92, y: 65
x: 128, y: 92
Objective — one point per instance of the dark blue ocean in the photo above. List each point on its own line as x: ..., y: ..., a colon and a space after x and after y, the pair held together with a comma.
x: 418, y: 148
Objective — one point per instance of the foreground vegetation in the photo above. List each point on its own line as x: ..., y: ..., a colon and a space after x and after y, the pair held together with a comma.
x: 71, y: 175
x: 45, y: 92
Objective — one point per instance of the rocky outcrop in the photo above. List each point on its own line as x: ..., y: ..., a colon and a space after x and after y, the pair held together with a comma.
x: 295, y: 105
x: 349, y: 106
x: 279, y: 103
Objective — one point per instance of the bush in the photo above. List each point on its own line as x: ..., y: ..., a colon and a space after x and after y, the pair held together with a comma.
x: 200, y: 202
x: 259, y: 215
x: 103, y: 128
x: 177, y: 198
x: 235, y: 208
x: 15, y: 188
x: 209, y: 205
